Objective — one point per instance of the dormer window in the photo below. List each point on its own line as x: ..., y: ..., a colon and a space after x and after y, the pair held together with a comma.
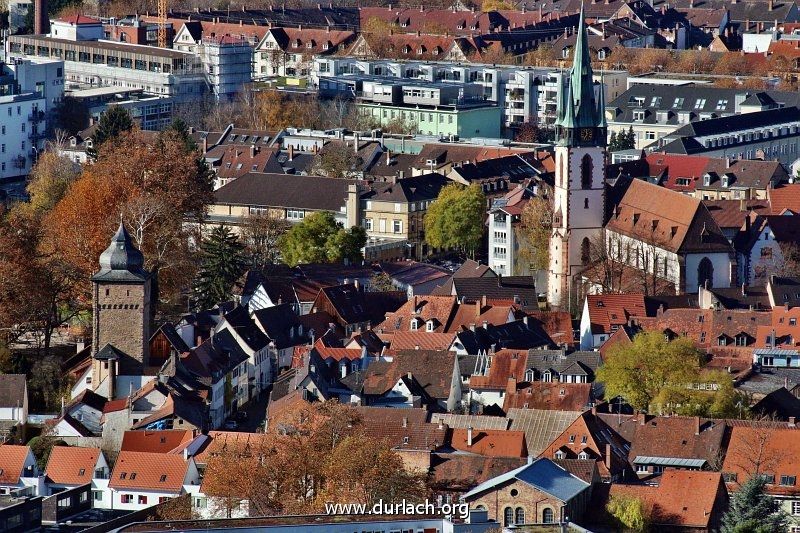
x: 706, y: 180
x: 560, y: 455
x: 414, y: 324
x: 430, y: 326
x: 309, y: 45
x: 583, y: 455
x: 297, y: 43
x: 725, y: 181
x: 326, y: 45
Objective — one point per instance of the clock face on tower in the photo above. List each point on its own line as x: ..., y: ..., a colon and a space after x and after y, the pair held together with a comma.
x: 587, y: 134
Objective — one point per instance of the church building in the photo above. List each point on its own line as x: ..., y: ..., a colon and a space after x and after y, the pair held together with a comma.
x: 579, y: 192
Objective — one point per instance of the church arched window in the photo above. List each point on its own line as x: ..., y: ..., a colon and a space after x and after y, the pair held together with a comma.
x: 585, y: 251
x: 586, y: 172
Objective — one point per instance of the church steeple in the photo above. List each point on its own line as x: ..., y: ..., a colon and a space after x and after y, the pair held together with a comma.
x: 582, y: 117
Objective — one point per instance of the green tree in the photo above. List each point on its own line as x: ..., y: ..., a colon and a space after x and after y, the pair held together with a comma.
x: 535, y: 228
x: 320, y: 239
x: 71, y: 115
x: 455, y: 219
x: 641, y: 370
x: 751, y: 510
x: 629, y: 513
x: 111, y: 124
x: 41, y: 447
x: 221, y: 264
x: 624, y: 140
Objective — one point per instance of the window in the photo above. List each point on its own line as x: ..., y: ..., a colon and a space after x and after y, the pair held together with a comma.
x: 638, y: 115
x: 368, y: 224
x: 397, y: 226
x: 586, y: 172
x: 429, y: 326
x: 796, y: 508
x: 789, y: 481
x: 519, y: 515
x: 414, y: 325
x: 163, y: 478
x: 126, y: 498
x: 508, y: 516
x: 641, y: 469
x: 97, y: 495
x: 547, y: 516
x: 721, y: 105
x: 142, y: 499
x: 650, y: 135
x: 82, y: 471
x: 700, y: 103
x: 677, y: 103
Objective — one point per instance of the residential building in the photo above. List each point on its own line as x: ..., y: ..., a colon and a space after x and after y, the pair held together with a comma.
x: 525, y: 95
x: 507, y: 242
x: 436, y: 109
x: 578, y: 204
x: 671, y: 237
x: 13, y: 405
x: 539, y: 492
x: 29, y: 92
x: 604, y: 314
x: 72, y: 466
x: 18, y: 472
x: 149, y: 111
x: 657, y: 111
x: 228, y: 63
x: 290, y: 52
x: 91, y: 61
x: 142, y: 479
x: 770, y: 134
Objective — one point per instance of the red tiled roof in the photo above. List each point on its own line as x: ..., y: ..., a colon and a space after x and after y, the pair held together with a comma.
x: 786, y: 197
x: 767, y: 450
x: 420, y: 340
x: 229, y: 442
x: 490, y: 442
x: 403, y: 429
x: 12, y: 461
x: 550, y: 395
x: 145, y: 470
x: 115, y: 405
x: 681, y: 498
x: 505, y: 364
x: 155, y: 441
x: 609, y: 310
x: 70, y: 465
x: 79, y: 19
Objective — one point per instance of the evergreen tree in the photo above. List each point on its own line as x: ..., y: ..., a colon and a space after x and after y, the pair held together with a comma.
x: 630, y: 140
x: 221, y: 264
x: 612, y: 142
x: 112, y: 123
x: 751, y: 510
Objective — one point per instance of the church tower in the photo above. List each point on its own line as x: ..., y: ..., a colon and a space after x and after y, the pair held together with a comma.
x: 579, y: 192
x: 120, y: 315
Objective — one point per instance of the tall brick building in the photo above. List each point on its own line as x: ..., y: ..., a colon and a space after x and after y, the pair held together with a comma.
x: 121, y: 315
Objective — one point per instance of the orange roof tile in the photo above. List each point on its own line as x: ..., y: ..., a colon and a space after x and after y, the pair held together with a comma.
x: 609, y: 310
x: 70, y: 465
x: 415, y: 340
x: 155, y: 441
x: 160, y: 472
x: 490, y: 442
x: 786, y: 197
x: 550, y: 395
x: 12, y: 461
x: 682, y: 498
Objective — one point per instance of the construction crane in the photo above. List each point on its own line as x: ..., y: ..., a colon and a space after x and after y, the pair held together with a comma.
x: 162, y: 23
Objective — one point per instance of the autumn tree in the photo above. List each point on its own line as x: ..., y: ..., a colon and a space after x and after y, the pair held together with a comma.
x: 320, y: 239
x: 536, y: 225
x: 260, y: 234
x: 337, y: 159
x: 381, y: 282
x: 629, y: 513
x: 49, y: 180
x: 157, y: 183
x: 455, y: 219
x: 639, y: 371
x: 221, y: 264
x: 529, y: 132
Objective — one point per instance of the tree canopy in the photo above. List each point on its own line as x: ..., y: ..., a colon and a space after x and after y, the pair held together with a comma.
x: 653, y: 372
x: 221, y: 264
x: 320, y: 239
x: 112, y: 123
x: 455, y: 219
x: 535, y: 229
x: 624, y: 140
x: 752, y: 510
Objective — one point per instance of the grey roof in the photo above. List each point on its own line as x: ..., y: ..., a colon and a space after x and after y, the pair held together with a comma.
x: 541, y: 426
x: 121, y: 261
x: 669, y: 461
x: 109, y: 351
x: 543, y: 475
x: 585, y: 363
x: 717, y: 126
x: 474, y: 421
x: 280, y: 190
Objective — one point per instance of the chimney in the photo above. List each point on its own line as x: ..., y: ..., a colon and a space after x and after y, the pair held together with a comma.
x: 205, y: 144
x: 770, y: 5
x: 291, y: 152
x: 405, y: 421
x: 608, y: 455
x: 792, y: 422
x: 643, y: 419
x: 253, y: 150
x: 697, y: 425
x: 469, y: 436
x: 441, y: 425
x: 41, y: 22
x: 416, y: 303
x: 483, y: 301
x: 744, y: 289
x: 388, y: 157
x: 477, y: 308
x: 355, y: 143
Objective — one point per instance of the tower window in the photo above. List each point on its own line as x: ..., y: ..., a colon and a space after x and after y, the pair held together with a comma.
x: 107, y: 292
x: 586, y: 203
x: 586, y: 172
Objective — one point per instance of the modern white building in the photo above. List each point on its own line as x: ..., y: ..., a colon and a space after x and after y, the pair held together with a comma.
x: 29, y: 91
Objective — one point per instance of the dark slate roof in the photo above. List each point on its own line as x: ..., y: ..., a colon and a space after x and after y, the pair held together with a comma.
x: 574, y: 363
x: 784, y: 290
x: 321, y: 15
x: 513, y: 167
x: 413, y: 189
x: 282, y: 325
x: 12, y: 389
x: 780, y: 404
x: 239, y: 319
x: 733, y: 123
x: 494, y: 288
x: 172, y: 336
x: 280, y: 190
x: 513, y: 335
x: 109, y: 351
x: 121, y: 261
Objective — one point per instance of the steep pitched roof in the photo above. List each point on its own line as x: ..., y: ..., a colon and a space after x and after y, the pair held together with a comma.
x: 162, y: 441
x: 489, y: 442
x: 12, y: 462
x: 769, y: 450
x: 12, y: 390
x: 671, y: 220
x: 160, y: 472
x: 280, y: 190
x: 541, y: 426
x: 402, y: 429
x: 609, y: 310
x: 69, y: 465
